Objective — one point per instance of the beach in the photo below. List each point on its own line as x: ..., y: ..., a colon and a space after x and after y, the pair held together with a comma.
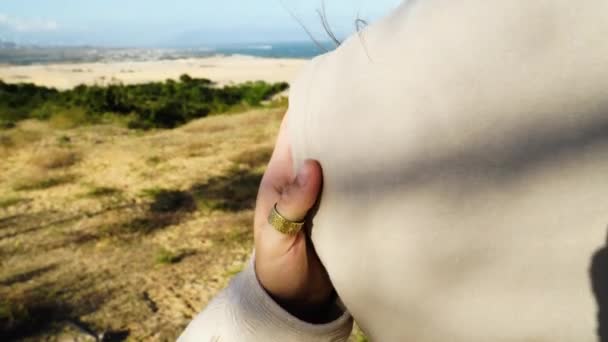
x: 221, y: 69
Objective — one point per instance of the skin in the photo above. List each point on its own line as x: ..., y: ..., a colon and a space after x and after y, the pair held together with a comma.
x: 287, y: 266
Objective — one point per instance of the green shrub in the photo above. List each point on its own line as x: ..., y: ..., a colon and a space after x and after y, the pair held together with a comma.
x: 164, y: 256
x: 18, y: 101
x: 151, y: 105
x: 45, y: 111
x: 7, y: 124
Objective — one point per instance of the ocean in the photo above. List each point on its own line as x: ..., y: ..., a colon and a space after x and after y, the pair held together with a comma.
x: 277, y: 50
x: 26, y: 55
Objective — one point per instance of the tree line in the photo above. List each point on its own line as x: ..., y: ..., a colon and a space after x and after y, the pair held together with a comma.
x: 151, y: 105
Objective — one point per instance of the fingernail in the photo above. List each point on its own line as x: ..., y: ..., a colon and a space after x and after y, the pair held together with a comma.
x: 303, y: 176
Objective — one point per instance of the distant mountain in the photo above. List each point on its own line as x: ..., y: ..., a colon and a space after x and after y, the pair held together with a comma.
x: 214, y: 37
x: 7, y: 45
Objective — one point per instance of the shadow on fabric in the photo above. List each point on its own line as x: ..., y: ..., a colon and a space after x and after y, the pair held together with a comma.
x: 599, y: 284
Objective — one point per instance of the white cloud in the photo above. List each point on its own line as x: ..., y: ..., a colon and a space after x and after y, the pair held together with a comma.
x: 27, y: 25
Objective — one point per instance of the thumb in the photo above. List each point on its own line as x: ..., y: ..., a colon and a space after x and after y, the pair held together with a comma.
x: 298, y: 197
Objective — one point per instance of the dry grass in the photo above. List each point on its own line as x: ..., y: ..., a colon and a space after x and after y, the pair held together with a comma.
x: 253, y: 157
x: 55, y: 158
x: 69, y: 118
x: 22, y: 137
x: 42, y: 180
x: 25, y: 312
x: 89, y: 252
x: 198, y: 148
x: 155, y: 225
x: 154, y: 160
x: 102, y: 191
x: 208, y: 127
x: 6, y: 141
x: 12, y: 140
x: 167, y: 257
x: 11, y: 201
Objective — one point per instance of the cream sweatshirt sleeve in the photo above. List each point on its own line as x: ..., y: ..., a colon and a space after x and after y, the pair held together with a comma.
x: 245, y: 312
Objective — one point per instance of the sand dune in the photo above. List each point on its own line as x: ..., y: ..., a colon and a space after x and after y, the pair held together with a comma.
x: 221, y: 69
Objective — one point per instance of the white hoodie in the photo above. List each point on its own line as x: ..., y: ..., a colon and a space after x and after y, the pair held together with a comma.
x: 464, y: 146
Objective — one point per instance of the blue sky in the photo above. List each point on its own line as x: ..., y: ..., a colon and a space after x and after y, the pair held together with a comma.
x: 166, y: 22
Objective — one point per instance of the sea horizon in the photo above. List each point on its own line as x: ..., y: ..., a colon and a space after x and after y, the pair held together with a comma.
x: 14, y: 54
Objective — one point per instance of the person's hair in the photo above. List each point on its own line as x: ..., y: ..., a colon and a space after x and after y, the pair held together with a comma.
x: 322, y: 13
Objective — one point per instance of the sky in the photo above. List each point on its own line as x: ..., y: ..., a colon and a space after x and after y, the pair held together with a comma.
x: 176, y: 22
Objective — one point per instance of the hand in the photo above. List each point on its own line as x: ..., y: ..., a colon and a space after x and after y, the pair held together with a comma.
x: 287, y: 266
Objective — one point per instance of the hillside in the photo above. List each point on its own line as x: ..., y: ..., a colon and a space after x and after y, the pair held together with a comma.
x: 124, y: 232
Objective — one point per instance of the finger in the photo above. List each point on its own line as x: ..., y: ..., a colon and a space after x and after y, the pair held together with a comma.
x: 297, y: 198
x: 278, y: 173
x: 278, y: 254
x: 294, y: 200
